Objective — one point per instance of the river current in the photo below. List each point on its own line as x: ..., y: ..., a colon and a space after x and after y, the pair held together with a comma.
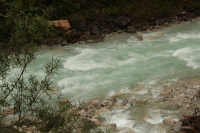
x: 96, y: 70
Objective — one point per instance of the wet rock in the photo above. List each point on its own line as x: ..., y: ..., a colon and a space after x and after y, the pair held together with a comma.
x: 196, y: 86
x: 150, y: 27
x: 130, y: 103
x: 105, y: 102
x: 95, y: 30
x: 148, y: 31
x: 94, y: 38
x: 94, y: 104
x: 141, y: 124
x: 131, y: 29
x: 141, y: 102
x: 176, y: 128
x: 81, y: 42
x: 102, y: 110
x: 169, y: 121
x: 126, y: 130
x: 150, y: 37
x: 166, y: 98
x: 120, y: 95
x: 175, y: 21
x: 111, y: 126
x: 173, y: 106
x: 83, y: 113
x: 122, y: 21
x: 62, y: 24
x: 124, y: 101
x: 64, y: 43
x: 138, y: 87
x: 160, y: 34
x: 146, y: 117
x: 139, y: 36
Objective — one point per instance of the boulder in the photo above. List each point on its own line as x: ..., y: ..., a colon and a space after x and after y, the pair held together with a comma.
x: 139, y: 36
x: 175, y: 21
x: 111, y: 126
x: 81, y: 25
x: 191, y: 15
x: 160, y: 34
x: 150, y: 37
x: 141, y: 102
x: 94, y: 38
x: 95, y: 30
x: 122, y: 21
x: 131, y: 29
x: 177, y: 127
x: 124, y: 101
x: 170, y: 121
x: 126, y: 130
x: 94, y: 104
x: 146, y: 117
x: 150, y: 27
x: 110, y: 20
x: 138, y: 25
x: 73, y: 36
x: 64, y: 43
x: 62, y: 24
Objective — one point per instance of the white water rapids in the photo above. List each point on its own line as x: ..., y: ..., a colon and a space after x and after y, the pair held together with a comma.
x: 97, y: 70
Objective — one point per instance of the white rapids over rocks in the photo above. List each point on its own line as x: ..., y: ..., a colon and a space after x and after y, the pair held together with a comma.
x: 97, y: 70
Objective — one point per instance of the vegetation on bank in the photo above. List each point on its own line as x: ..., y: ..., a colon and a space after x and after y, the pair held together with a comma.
x: 24, y: 26
x: 135, y: 9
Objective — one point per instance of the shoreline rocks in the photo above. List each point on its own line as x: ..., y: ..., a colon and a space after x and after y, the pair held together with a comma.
x: 95, y: 30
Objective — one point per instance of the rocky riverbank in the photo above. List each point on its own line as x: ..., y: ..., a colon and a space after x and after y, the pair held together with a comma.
x: 180, y: 96
x: 78, y: 29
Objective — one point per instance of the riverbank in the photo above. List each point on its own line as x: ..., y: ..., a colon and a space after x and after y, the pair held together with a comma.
x: 88, y: 30
x: 179, y: 97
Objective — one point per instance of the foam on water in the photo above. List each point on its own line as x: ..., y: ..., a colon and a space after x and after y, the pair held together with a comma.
x: 186, y: 54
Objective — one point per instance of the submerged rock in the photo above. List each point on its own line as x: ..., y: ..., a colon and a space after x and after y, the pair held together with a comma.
x: 169, y: 121
x: 146, y: 117
x: 150, y: 37
x: 139, y: 36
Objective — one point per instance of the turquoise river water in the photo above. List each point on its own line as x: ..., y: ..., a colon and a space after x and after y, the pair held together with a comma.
x: 96, y: 70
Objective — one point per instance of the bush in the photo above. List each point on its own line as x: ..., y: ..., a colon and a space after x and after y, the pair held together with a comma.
x: 23, y: 27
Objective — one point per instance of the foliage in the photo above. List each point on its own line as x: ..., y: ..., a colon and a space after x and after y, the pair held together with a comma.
x: 24, y: 26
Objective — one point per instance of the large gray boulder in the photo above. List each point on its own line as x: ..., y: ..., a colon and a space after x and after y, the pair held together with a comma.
x: 122, y: 21
x: 131, y: 29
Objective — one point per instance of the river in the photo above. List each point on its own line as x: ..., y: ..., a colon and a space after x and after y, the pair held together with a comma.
x: 96, y: 70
